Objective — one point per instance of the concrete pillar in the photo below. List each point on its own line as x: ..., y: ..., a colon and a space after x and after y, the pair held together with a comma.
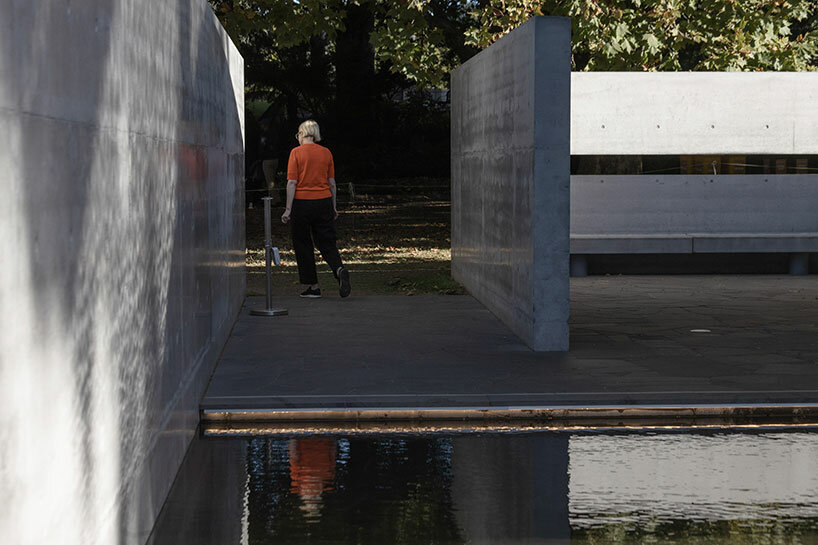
x: 579, y: 266
x: 510, y: 179
x: 799, y: 264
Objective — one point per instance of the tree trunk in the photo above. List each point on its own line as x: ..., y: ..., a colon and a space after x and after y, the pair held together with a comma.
x: 354, y: 78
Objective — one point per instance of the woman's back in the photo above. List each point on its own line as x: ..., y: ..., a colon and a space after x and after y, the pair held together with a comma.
x: 312, y: 166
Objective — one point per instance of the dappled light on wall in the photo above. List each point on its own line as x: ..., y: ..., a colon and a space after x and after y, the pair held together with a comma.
x: 118, y: 218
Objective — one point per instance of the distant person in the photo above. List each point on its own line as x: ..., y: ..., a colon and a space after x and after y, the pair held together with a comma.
x: 254, y: 184
x: 269, y: 161
x: 311, y: 206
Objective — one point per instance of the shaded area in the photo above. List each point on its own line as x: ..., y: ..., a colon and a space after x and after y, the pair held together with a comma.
x: 336, y: 490
x: 632, y: 342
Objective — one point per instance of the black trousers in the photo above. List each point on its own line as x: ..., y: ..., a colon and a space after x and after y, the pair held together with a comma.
x: 313, y: 221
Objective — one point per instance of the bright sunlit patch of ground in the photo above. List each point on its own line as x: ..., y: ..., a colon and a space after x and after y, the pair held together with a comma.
x: 389, y: 247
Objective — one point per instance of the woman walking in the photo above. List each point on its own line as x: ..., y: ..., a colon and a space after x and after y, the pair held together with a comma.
x: 311, y: 209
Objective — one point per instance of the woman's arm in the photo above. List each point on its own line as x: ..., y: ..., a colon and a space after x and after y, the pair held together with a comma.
x: 291, y: 184
x: 334, y: 192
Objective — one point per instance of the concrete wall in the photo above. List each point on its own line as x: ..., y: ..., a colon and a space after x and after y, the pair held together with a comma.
x: 688, y: 204
x: 656, y: 113
x: 121, y: 231
x: 510, y: 179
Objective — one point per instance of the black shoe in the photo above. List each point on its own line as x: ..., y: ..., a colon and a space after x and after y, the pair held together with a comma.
x: 343, y: 282
x: 311, y: 293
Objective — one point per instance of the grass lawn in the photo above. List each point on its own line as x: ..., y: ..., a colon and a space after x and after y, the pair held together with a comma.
x: 392, y: 244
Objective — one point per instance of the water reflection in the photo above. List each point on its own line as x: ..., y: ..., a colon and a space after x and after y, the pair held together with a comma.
x: 492, y: 489
x: 350, y: 491
x: 312, y: 472
x: 511, y: 489
x: 718, y: 488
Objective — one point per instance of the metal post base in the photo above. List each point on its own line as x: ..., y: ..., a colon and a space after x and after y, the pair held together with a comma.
x: 269, y: 312
x: 271, y: 255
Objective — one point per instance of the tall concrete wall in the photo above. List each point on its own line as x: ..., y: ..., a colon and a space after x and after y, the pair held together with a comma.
x: 122, y: 244
x: 510, y: 179
x: 657, y: 113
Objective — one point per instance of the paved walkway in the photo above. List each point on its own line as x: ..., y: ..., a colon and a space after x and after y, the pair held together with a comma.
x: 634, y: 341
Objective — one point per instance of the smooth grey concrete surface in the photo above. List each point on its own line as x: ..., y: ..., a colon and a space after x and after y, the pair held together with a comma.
x: 122, y: 236
x: 767, y: 205
x: 670, y: 113
x: 510, y: 176
x: 695, y: 214
x: 631, y: 244
x: 633, y: 344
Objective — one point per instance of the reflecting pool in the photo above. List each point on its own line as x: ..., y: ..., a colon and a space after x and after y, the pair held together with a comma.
x: 558, y: 487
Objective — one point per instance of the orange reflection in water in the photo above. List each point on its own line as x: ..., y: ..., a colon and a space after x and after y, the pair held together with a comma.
x: 312, y: 471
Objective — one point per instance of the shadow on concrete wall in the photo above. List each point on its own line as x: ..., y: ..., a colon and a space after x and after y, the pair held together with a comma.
x: 121, y: 233
x: 53, y: 95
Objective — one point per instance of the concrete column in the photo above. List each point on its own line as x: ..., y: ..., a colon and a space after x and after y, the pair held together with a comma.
x: 510, y: 180
x: 579, y: 266
x: 799, y: 264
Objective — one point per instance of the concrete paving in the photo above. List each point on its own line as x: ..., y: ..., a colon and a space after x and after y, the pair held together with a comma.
x: 635, y: 341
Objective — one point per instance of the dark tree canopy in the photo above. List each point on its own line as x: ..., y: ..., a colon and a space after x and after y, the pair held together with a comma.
x: 344, y: 62
x: 423, y: 39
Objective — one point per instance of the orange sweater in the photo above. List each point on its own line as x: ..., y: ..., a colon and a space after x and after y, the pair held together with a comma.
x: 311, y: 166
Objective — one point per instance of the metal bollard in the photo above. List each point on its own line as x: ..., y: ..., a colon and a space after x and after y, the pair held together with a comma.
x: 271, y: 255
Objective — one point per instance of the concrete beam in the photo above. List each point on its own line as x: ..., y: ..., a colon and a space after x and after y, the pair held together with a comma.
x: 635, y: 113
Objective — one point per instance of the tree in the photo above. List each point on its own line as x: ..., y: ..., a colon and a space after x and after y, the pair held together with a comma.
x: 344, y: 61
x: 415, y: 38
x: 669, y: 34
x: 412, y: 38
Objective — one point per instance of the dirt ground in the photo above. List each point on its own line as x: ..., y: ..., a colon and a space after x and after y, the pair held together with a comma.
x: 392, y: 244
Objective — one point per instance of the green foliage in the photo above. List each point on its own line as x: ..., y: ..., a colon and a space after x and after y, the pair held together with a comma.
x: 669, y: 34
x: 286, y: 22
x: 303, y: 60
x: 410, y: 36
x: 405, y: 40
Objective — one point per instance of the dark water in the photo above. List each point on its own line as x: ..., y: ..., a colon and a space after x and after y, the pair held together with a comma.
x: 714, y: 488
